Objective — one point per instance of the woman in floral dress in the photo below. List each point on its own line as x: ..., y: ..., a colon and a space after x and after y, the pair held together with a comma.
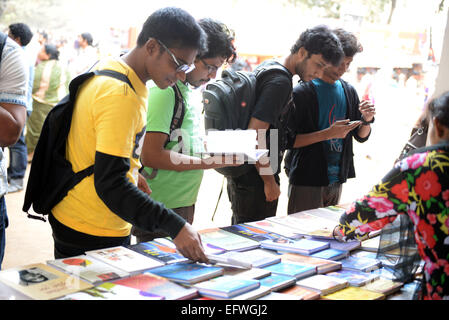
x: 419, y: 187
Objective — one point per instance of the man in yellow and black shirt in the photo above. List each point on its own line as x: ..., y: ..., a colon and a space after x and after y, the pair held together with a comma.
x: 108, y: 127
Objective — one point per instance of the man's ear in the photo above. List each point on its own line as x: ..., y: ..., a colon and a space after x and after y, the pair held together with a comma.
x: 152, y: 46
x: 302, y: 53
x: 441, y: 130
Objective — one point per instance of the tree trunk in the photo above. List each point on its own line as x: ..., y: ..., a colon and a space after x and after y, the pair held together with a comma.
x: 393, y: 6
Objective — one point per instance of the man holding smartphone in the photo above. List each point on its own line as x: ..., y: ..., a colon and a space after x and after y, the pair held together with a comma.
x: 328, y: 114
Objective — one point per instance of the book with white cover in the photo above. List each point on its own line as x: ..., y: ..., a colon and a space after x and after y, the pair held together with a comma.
x: 256, y: 258
x: 125, y: 259
x: 226, y: 286
x: 323, y: 284
x: 226, y: 240
x: 280, y: 229
x: 88, y: 268
x: 302, y: 246
x: 240, y: 143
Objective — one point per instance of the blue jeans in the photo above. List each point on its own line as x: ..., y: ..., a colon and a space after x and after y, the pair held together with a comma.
x: 18, y: 159
x: 3, y: 226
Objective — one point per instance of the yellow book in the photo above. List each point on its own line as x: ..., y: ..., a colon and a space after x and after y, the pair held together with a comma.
x: 384, y: 286
x: 42, y: 282
x: 354, y: 293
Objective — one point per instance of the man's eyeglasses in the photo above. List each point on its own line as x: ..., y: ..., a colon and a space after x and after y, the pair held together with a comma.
x: 210, y: 68
x: 186, y: 68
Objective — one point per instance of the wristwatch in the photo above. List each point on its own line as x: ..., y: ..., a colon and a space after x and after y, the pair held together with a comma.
x: 366, y: 123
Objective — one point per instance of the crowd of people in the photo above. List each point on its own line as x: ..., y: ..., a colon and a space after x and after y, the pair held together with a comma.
x: 143, y: 186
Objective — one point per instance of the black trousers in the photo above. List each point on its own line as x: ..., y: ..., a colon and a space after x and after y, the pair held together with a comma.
x: 70, y: 243
x: 247, y: 197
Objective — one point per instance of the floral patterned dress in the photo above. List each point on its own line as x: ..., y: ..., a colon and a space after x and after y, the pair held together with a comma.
x: 419, y: 187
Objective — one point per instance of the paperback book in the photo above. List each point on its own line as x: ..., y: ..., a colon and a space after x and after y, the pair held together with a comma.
x: 256, y: 258
x: 252, y: 233
x: 302, y: 293
x: 292, y: 269
x: 155, y: 250
x: 307, y: 225
x: 360, y: 264
x: 124, y: 259
x: 384, y: 286
x: 188, y: 273
x: 208, y: 248
x: 253, y: 273
x: 322, y: 265
x: 331, y: 254
x: 354, y: 293
x: 302, y: 246
x: 277, y: 282
x: 355, y: 278
x: 150, y: 283
x: 277, y: 228
x: 111, y: 291
x: 226, y: 287
x: 88, y: 269
x: 280, y: 296
x: 323, y: 284
x: 226, y: 240
x: 42, y: 282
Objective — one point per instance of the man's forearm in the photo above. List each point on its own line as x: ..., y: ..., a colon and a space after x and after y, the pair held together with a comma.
x: 11, y: 126
x: 306, y: 139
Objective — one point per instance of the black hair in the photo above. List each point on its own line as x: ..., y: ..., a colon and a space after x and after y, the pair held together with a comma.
x: 52, y: 51
x: 320, y: 40
x: 351, y: 46
x: 219, y: 40
x: 175, y: 28
x: 22, y: 31
x: 88, y: 37
x: 439, y: 108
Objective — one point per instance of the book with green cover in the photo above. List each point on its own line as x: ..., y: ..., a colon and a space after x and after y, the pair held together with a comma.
x: 226, y: 240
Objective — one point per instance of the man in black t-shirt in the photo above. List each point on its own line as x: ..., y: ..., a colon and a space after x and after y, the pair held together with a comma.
x: 254, y: 195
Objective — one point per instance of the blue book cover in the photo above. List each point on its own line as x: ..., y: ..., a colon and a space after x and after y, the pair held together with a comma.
x: 158, y: 251
x: 292, y: 269
x: 302, y: 246
x: 277, y: 281
x: 354, y: 277
x: 360, y: 263
x: 252, y: 232
x: 187, y: 272
x: 226, y: 286
x: 330, y: 254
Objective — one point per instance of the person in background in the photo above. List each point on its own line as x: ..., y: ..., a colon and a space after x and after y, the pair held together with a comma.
x: 177, y: 183
x: 22, y: 35
x: 87, y: 54
x: 108, y: 129
x: 322, y: 156
x: 254, y: 195
x: 13, y: 101
x: 51, y: 84
x: 417, y: 186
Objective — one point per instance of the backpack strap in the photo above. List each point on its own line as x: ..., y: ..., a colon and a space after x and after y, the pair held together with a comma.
x: 176, y: 123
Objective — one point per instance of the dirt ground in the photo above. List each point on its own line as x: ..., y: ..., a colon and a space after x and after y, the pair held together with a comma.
x: 29, y: 241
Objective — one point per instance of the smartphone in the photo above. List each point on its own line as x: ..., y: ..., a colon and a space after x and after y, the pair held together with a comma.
x: 355, y: 121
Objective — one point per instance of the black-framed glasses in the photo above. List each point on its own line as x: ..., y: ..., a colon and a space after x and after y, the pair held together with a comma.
x: 210, y: 68
x: 181, y: 67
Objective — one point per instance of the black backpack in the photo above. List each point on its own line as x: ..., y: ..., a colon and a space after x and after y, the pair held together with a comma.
x: 229, y: 103
x: 51, y: 174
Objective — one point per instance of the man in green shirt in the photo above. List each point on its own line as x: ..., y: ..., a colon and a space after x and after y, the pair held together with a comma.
x: 172, y: 169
